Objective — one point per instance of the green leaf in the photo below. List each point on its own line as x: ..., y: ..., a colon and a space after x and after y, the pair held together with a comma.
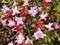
x: 57, y: 7
x: 25, y: 27
x: 59, y: 38
x: 12, y: 37
x: 37, y: 1
x: 34, y: 19
x: 58, y: 16
x: 45, y: 40
x: 0, y: 15
x: 1, y: 28
x: 49, y: 39
x: 3, y: 1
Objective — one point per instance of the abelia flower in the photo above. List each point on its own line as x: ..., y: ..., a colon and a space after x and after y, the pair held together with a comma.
x: 14, y: 4
x: 33, y: 11
x: 48, y: 0
x: 15, y: 10
x: 56, y: 25
x: 10, y: 43
x: 49, y: 26
x: 39, y: 34
x: 40, y: 8
x: 26, y: 3
x: 43, y: 16
x: 5, y: 9
x: 4, y: 22
x: 19, y: 20
x: 28, y: 41
x: 11, y: 23
x: 20, y: 38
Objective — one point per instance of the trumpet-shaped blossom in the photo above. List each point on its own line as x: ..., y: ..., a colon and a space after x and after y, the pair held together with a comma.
x: 11, y: 23
x: 49, y: 26
x: 10, y: 43
x: 33, y: 11
x: 39, y: 34
x: 43, y: 16
x: 20, y: 38
x: 5, y: 9
x: 4, y: 22
x: 15, y: 10
x: 40, y: 8
x: 28, y: 41
x: 19, y: 20
x: 56, y: 25
x: 26, y: 3
x: 48, y: 0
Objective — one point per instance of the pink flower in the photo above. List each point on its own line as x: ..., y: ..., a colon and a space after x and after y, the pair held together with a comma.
x: 49, y: 26
x: 11, y: 43
x: 4, y: 22
x: 19, y: 20
x: 20, y: 38
x: 11, y: 23
x: 28, y: 41
x: 40, y: 8
x: 15, y: 10
x: 39, y: 34
x: 26, y: 3
x: 33, y: 11
x: 5, y: 9
x: 43, y: 16
x: 56, y: 25
x: 48, y: 0
x: 14, y: 4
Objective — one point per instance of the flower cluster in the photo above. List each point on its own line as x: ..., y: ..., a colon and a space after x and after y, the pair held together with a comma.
x: 29, y: 21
